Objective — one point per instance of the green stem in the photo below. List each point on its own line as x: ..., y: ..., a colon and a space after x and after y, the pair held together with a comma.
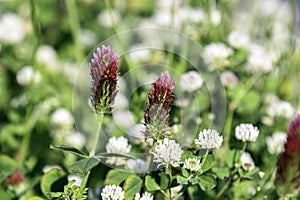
x: 169, y: 172
x: 224, y: 188
x: 100, y: 120
x: 205, y: 156
x: 93, y: 150
x: 269, y: 173
x: 164, y: 193
x: 75, y: 28
x: 244, y: 148
x: 227, y: 129
x: 231, y: 108
x: 27, y: 135
x: 85, y: 179
x: 36, y: 28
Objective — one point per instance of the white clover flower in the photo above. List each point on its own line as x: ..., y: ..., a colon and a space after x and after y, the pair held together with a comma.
x: 285, y: 109
x: 146, y: 196
x: 192, y: 15
x: 12, y: 28
x: 192, y: 164
x: 62, y: 118
x: 76, y: 139
x: 247, y: 162
x: 209, y: 139
x: 18, y: 101
x: 108, y: 19
x: 191, y: 81
x: 70, y: 70
x: 280, y: 109
x: 229, y: 79
x: 167, y: 152
x: 48, y: 104
x: 26, y: 75
x: 246, y: 132
x: 46, y: 55
x: 275, y: 143
x: 216, y: 53
x: 238, y: 39
x: 138, y: 165
x: 285, y: 13
x: 280, y: 36
x: 259, y: 61
x: 168, y: 4
x: 77, y: 179
x: 269, y: 7
x: 112, y: 192
x: 124, y: 119
x: 139, y: 53
x: 215, y: 17
x: 136, y: 133
x: 87, y: 38
x: 163, y: 18
x: 121, y: 82
x: 117, y: 145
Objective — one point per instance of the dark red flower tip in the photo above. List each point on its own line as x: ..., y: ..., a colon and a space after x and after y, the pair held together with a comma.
x: 15, y: 178
x: 289, y: 162
x: 292, y: 144
x: 104, y: 66
x: 161, y: 95
x: 162, y: 91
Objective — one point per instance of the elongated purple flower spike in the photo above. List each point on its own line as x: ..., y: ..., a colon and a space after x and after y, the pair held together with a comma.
x: 104, y: 66
x: 288, y: 172
x: 156, y: 114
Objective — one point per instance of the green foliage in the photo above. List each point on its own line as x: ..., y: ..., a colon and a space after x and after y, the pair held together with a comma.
x: 222, y: 172
x: 151, y: 184
x: 7, y: 166
x: 207, y: 182
x: 208, y: 163
x: 69, y: 149
x: 164, y: 180
x: 132, y: 185
x: 35, y: 198
x: 116, y: 177
x: 182, y: 180
x: 50, y: 178
x: 27, y: 128
x: 71, y: 192
x: 84, y: 165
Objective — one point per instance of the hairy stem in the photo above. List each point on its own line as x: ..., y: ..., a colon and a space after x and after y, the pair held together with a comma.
x: 93, y: 151
x: 100, y: 120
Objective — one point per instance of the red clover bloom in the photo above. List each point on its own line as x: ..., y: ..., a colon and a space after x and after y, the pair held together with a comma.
x: 158, y: 108
x: 104, y: 66
x: 15, y: 178
x: 288, y: 173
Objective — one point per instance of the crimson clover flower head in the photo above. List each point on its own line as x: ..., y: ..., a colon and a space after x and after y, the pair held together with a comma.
x: 161, y: 93
x: 103, y: 66
x: 157, y: 110
x: 288, y: 172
